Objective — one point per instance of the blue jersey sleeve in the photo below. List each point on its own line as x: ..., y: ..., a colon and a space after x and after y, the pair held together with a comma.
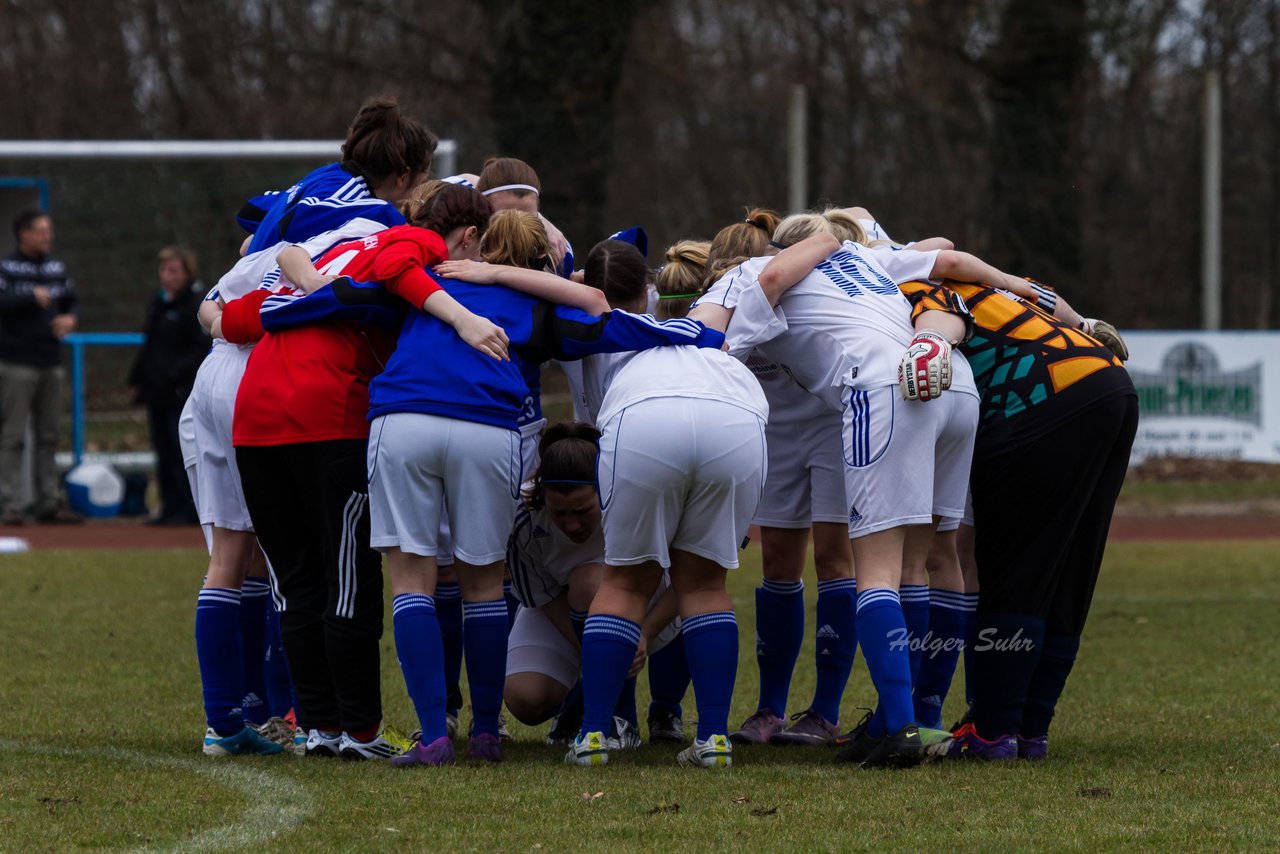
x: 573, y: 334
x: 255, y: 210
x: 341, y: 299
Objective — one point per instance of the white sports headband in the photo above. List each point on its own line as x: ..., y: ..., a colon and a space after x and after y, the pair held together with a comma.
x: 504, y: 187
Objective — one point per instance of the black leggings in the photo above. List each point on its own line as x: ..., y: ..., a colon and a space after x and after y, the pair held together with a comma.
x: 1041, y: 513
x: 309, y: 504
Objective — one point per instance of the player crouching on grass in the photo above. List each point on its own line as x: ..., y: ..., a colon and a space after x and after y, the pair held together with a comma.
x: 556, y: 559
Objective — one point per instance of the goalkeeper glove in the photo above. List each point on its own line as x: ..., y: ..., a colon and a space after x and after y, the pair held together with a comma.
x: 925, y: 370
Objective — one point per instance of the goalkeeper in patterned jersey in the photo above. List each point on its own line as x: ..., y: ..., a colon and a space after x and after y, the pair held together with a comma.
x: 1057, y: 420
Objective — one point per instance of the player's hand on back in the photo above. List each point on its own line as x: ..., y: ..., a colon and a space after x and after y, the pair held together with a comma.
x: 484, y: 335
x: 479, y: 272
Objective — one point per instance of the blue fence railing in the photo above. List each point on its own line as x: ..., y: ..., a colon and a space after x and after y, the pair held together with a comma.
x: 78, y: 341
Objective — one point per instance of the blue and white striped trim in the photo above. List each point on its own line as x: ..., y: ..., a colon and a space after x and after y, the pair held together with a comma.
x: 448, y: 590
x: 211, y: 597
x: 860, y: 434
x: 705, y: 622
x: 949, y: 599
x: 784, y: 588
x: 690, y: 329
x: 576, y: 616
x: 970, y: 602
x: 1045, y: 298
x: 914, y: 593
x: 838, y: 585
x: 484, y: 610
x: 255, y: 588
x: 877, y: 595
x: 412, y: 602
x: 612, y: 627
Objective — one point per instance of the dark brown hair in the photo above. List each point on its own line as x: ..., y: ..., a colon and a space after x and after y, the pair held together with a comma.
x: 568, y: 450
x: 442, y: 207
x: 618, y: 269
x: 383, y: 142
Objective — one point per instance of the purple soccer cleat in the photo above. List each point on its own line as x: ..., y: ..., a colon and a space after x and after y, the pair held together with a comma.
x: 1033, y: 748
x: 758, y: 728
x: 484, y: 747
x: 438, y: 752
x: 969, y: 745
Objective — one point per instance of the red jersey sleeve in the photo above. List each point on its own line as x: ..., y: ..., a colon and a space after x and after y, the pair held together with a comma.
x: 241, y: 321
x: 400, y: 265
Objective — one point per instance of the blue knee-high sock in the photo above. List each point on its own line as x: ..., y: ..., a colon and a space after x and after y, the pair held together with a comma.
x: 254, y: 602
x: 1005, y: 657
x: 421, y: 654
x: 837, y: 643
x: 711, y: 645
x: 484, y: 636
x: 608, y: 648
x: 970, y: 637
x: 448, y: 600
x: 882, y: 634
x: 219, y: 652
x: 779, y: 634
x: 669, y: 678
x: 513, y: 604
x: 946, y: 637
x: 626, y: 705
x: 280, y: 697
x: 915, y: 613
x: 1056, y: 660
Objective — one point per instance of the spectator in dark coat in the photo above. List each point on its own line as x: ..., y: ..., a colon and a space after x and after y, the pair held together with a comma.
x: 163, y: 373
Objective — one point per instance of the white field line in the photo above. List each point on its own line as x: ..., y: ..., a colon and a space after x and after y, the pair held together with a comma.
x: 276, y: 804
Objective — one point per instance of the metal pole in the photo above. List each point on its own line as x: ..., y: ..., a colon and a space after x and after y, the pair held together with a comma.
x: 1211, y: 235
x: 77, y: 400
x: 797, y: 151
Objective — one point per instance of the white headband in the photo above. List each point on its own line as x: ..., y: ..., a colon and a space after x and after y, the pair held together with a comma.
x: 504, y: 187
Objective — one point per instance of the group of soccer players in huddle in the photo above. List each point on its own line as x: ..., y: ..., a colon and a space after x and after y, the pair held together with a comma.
x: 949, y: 437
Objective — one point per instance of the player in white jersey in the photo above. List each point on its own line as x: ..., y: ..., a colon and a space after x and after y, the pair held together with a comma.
x: 906, y: 462
x: 804, y: 493
x: 682, y: 461
x: 556, y: 558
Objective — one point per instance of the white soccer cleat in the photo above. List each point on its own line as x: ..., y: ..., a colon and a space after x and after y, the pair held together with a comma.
x: 625, y: 736
x: 589, y: 749
x: 715, y: 752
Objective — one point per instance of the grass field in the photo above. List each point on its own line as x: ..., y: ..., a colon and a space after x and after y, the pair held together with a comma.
x: 1167, y: 738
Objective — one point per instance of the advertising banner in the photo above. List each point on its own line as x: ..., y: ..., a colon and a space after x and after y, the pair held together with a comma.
x: 1207, y: 394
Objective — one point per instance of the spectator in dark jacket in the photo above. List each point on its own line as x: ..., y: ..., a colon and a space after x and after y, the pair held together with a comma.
x: 37, y: 310
x: 163, y: 373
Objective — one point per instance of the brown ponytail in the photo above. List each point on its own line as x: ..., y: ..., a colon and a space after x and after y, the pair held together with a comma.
x: 383, y: 143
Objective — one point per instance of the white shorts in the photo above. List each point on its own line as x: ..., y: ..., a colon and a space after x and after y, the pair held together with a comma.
x: 423, y: 468
x: 905, y: 461
x: 680, y: 473
x: 206, y: 443
x: 806, y: 477
x: 951, y: 523
x: 535, y: 645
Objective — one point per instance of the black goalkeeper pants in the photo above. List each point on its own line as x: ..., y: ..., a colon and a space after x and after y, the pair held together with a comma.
x: 309, y: 504
x: 1042, y: 510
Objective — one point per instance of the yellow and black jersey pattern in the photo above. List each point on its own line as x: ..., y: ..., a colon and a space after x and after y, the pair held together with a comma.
x: 1021, y: 356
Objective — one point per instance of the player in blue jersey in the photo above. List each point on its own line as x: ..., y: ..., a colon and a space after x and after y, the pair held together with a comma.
x: 386, y: 154
x: 445, y: 423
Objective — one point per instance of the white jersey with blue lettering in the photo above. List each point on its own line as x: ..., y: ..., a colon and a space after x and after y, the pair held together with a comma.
x: 844, y: 325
